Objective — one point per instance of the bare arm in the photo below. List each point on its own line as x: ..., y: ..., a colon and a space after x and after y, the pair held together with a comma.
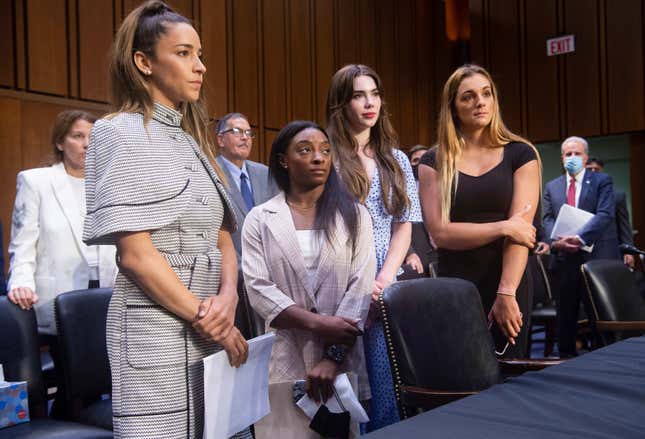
x: 332, y: 329
x: 526, y: 190
x: 217, y: 315
x: 464, y: 236
x: 142, y: 262
x: 526, y: 184
x: 228, y: 279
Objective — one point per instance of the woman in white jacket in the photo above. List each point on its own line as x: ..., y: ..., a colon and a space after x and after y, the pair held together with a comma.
x: 46, y: 254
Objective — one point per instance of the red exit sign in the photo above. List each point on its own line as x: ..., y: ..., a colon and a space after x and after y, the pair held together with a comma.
x: 560, y: 45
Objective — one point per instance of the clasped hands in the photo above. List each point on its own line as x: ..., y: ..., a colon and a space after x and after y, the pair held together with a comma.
x: 333, y: 330
x: 215, y: 321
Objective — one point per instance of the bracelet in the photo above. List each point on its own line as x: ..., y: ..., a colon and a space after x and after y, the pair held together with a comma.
x: 506, y: 293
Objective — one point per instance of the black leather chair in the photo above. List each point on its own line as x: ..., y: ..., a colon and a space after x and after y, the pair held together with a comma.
x: 20, y: 357
x: 439, y: 345
x: 432, y: 364
x: 81, y: 317
x: 544, y: 311
x: 617, y: 306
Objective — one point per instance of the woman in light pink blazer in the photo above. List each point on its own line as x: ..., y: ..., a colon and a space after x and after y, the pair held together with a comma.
x: 309, y: 264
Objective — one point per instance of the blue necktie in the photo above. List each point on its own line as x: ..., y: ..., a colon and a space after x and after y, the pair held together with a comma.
x: 246, y: 191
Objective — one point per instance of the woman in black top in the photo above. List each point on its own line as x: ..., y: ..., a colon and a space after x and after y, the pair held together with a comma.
x: 479, y: 191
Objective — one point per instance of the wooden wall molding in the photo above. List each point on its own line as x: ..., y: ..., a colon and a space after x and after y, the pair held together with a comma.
x: 97, y: 107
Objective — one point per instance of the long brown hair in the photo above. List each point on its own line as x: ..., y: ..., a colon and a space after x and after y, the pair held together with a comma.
x: 450, y: 140
x: 129, y: 89
x: 382, y: 139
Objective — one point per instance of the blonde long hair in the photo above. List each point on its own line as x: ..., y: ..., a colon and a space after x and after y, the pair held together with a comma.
x: 451, y: 142
x: 129, y: 90
x: 383, y: 139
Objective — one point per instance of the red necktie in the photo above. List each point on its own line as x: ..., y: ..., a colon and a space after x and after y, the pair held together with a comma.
x: 571, y: 193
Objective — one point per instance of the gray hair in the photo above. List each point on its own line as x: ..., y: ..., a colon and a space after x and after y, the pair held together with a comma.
x: 575, y: 139
x: 221, y: 124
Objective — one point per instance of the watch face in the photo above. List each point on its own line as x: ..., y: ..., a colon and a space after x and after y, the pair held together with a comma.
x: 336, y: 353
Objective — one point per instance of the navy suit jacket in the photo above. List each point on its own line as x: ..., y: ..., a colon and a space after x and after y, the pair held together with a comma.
x: 597, y: 197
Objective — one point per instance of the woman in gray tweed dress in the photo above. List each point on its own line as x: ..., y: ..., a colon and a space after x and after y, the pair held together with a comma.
x: 153, y: 191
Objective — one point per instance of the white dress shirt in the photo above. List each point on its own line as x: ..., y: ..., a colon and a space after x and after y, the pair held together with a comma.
x: 578, y: 177
x: 237, y: 172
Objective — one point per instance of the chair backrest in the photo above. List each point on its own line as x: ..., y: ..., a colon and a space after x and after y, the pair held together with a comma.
x: 612, y: 291
x: 541, y: 286
x: 20, y: 350
x: 437, y: 335
x: 247, y: 320
x: 81, y: 317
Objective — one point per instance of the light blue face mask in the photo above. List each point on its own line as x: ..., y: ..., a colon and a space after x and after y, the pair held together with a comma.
x: 573, y: 164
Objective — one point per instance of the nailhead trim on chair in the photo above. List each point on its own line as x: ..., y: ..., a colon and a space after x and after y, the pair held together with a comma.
x: 396, y: 376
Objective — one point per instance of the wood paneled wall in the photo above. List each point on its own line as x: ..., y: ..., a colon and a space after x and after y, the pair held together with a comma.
x: 597, y: 90
x: 273, y: 59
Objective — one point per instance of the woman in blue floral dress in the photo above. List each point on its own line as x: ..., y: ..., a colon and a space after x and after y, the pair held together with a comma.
x: 380, y: 176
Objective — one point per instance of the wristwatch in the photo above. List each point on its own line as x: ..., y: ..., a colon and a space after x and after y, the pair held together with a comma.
x: 336, y: 353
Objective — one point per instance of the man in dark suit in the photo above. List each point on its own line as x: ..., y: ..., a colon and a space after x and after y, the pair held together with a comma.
x: 586, y: 190
x: 248, y: 181
x: 421, y: 252
x: 623, y: 227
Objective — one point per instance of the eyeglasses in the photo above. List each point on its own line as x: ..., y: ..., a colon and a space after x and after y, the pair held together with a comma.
x: 239, y: 131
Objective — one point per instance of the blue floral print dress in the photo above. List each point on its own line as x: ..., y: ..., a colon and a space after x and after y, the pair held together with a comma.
x: 383, y: 408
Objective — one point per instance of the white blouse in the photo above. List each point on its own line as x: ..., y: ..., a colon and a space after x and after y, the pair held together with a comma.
x: 92, y: 254
x: 310, y: 242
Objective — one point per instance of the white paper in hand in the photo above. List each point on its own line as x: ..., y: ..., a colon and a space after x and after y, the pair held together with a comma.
x: 235, y: 398
x: 570, y: 222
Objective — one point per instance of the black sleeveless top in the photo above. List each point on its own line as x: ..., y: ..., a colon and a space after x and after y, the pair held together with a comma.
x: 483, y: 199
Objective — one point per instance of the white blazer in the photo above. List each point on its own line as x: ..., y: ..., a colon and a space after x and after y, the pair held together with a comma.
x: 46, y: 252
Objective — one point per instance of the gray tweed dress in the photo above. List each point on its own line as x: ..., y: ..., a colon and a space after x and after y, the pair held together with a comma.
x: 156, y: 178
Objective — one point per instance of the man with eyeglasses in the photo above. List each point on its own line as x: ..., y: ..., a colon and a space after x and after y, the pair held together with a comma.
x: 248, y: 181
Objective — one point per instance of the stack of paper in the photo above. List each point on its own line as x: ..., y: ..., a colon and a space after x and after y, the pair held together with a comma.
x: 570, y: 222
x: 235, y: 398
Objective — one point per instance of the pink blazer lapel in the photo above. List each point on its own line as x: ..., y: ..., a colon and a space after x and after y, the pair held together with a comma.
x: 281, y: 226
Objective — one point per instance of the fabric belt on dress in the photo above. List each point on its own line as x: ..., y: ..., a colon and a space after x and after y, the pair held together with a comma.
x: 188, y: 260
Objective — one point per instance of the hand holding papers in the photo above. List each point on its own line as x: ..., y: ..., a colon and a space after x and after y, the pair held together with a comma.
x: 570, y: 222
x: 346, y: 396
x: 235, y: 398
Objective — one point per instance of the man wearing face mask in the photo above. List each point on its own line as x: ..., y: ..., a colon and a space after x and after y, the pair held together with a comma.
x: 586, y: 190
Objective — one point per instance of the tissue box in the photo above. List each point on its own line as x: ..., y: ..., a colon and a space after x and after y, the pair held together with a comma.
x: 14, y: 405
